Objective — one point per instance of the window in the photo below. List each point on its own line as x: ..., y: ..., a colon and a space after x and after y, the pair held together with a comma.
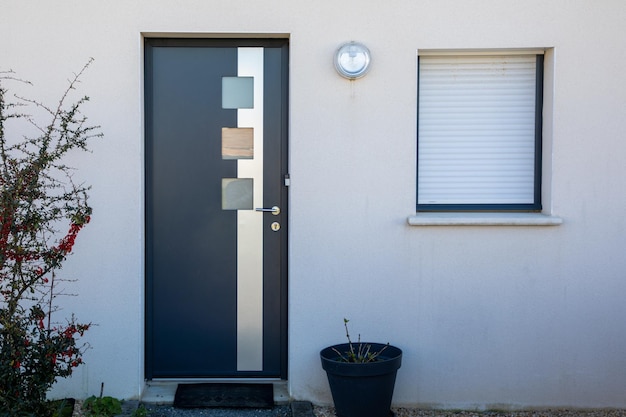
x: 479, y: 132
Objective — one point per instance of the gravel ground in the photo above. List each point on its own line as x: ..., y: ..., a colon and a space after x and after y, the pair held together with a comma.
x: 285, y: 411
x: 413, y: 412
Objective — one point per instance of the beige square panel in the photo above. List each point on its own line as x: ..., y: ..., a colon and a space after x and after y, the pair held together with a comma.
x: 237, y: 143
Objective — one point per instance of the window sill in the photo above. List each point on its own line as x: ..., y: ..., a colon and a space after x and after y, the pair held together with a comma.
x: 483, y: 219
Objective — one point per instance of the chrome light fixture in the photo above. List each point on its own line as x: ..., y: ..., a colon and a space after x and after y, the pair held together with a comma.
x: 352, y: 60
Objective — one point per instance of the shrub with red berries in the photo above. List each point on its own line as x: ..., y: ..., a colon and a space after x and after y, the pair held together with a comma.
x: 38, y: 198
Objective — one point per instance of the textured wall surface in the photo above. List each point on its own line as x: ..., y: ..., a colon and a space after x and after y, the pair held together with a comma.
x: 487, y: 316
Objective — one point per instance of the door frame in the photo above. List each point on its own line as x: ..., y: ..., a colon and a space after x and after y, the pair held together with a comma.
x: 283, y: 44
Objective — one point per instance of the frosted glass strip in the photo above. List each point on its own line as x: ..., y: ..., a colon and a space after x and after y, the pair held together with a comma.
x: 250, y: 224
x: 476, y: 137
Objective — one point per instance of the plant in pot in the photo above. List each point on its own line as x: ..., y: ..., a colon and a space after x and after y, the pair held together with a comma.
x: 361, y: 376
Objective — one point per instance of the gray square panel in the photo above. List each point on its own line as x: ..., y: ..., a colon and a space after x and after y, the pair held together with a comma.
x: 237, y: 92
x: 237, y: 193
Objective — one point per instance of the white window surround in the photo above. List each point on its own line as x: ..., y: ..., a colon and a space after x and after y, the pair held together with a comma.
x: 544, y: 218
x: 482, y: 219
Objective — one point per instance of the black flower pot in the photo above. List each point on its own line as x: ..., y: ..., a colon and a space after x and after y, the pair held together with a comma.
x: 362, y: 389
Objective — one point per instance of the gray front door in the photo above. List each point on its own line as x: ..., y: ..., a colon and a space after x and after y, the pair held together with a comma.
x: 216, y: 208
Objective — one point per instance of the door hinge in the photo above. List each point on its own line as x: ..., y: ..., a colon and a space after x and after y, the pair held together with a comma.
x: 287, y: 180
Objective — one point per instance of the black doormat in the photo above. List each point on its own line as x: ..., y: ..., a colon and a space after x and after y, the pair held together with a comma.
x: 224, y: 395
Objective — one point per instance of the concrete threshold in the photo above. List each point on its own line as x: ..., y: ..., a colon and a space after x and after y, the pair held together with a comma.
x: 161, y: 392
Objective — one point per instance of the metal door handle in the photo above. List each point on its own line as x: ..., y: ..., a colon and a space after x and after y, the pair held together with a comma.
x: 274, y: 210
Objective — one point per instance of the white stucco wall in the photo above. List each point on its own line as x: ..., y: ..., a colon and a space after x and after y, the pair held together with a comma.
x: 486, y: 315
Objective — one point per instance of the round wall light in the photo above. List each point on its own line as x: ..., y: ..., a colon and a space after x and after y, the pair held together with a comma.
x: 352, y: 60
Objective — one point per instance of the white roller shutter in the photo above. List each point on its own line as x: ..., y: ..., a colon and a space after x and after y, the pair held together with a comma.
x: 476, y: 131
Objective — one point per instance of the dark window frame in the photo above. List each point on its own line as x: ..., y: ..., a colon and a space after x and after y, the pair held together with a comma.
x: 536, y: 205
